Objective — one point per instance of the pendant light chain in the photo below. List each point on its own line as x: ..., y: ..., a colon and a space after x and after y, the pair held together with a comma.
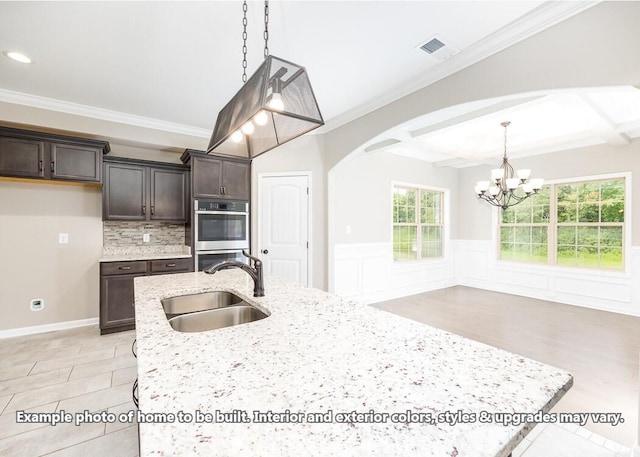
x: 266, y: 29
x: 244, y: 41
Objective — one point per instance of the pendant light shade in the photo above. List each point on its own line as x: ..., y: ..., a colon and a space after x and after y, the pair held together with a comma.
x: 274, y: 106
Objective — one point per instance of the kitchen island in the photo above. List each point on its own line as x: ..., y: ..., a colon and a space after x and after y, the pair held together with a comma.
x: 324, y: 376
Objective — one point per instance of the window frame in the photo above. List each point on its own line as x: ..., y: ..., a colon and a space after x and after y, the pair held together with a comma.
x: 553, y: 224
x: 445, y: 222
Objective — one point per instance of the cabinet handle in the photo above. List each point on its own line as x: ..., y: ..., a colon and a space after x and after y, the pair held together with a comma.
x: 221, y: 190
x: 53, y: 167
x: 124, y: 268
x: 170, y: 265
x: 153, y: 210
x: 39, y: 165
x: 144, y: 210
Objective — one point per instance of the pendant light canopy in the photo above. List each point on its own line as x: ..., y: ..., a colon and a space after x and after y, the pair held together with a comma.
x: 274, y: 106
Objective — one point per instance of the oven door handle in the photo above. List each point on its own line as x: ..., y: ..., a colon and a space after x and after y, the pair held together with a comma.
x: 224, y: 251
x: 241, y: 213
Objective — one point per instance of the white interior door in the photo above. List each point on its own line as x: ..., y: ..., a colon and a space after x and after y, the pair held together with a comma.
x: 283, y: 223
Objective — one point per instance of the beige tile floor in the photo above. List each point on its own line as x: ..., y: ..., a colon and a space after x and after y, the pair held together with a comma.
x: 74, y: 371
x: 77, y: 370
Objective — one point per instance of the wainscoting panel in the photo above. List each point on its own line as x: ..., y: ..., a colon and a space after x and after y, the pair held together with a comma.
x: 368, y: 274
x: 476, y: 266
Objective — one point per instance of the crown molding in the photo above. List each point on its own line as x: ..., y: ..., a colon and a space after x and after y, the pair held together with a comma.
x: 541, y: 18
x: 76, y: 109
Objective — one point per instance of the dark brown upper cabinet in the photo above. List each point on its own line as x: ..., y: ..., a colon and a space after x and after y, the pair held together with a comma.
x: 218, y: 177
x: 36, y: 155
x: 136, y: 190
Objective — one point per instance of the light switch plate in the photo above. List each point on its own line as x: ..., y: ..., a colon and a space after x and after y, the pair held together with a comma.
x: 63, y: 238
x: 145, y: 237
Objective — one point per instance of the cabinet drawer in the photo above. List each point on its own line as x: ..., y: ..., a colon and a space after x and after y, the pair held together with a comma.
x: 123, y: 268
x: 169, y: 265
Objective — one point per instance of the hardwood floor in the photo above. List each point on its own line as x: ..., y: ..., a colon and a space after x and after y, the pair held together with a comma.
x: 600, y: 349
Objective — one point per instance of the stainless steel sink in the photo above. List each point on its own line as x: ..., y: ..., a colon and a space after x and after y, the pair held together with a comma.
x: 183, y: 304
x: 216, y: 318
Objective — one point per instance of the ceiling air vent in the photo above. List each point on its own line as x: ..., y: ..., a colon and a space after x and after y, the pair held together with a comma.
x: 437, y: 47
x: 432, y: 46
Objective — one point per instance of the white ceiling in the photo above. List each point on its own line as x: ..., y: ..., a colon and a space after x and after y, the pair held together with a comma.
x: 178, y: 63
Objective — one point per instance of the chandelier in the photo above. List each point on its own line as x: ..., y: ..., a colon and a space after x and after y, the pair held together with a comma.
x: 274, y: 106
x: 503, y: 189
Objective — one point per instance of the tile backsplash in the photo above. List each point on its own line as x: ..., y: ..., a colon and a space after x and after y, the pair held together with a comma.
x: 119, y: 233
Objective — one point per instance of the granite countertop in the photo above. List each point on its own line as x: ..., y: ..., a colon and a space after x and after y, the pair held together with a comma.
x: 129, y: 253
x: 319, y: 353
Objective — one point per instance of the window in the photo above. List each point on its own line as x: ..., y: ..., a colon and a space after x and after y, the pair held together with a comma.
x: 577, y: 224
x: 524, y: 229
x: 417, y: 223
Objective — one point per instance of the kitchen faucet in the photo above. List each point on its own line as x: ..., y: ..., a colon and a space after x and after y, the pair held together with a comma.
x: 255, y: 272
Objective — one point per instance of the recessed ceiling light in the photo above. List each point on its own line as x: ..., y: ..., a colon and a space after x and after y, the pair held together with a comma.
x: 17, y: 56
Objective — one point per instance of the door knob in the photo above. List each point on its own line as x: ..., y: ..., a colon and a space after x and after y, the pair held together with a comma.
x: 265, y: 251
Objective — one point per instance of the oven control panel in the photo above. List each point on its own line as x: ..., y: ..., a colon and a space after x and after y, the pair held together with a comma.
x: 217, y: 205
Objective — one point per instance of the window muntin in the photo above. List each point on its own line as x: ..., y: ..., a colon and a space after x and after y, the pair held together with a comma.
x: 418, y: 227
x: 577, y: 224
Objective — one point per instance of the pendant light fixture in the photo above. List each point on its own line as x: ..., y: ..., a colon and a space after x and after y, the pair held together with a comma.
x: 503, y: 189
x: 275, y: 105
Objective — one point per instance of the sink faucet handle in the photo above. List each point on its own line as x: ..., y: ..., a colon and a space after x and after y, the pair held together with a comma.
x: 249, y: 256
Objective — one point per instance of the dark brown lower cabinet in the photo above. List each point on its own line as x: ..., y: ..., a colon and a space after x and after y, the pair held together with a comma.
x: 117, y: 311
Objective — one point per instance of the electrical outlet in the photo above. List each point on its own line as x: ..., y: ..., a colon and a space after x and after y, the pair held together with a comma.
x: 145, y: 237
x: 63, y: 238
x: 37, y: 304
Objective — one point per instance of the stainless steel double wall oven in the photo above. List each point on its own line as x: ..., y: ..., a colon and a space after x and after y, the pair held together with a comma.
x: 221, y: 231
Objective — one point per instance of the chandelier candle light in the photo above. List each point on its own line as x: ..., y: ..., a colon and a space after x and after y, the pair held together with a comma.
x: 502, y: 190
x: 274, y: 106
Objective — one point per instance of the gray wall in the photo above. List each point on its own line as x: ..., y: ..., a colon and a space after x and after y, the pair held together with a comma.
x: 361, y: 195
x: 34, y: 265
x: 302, y: 154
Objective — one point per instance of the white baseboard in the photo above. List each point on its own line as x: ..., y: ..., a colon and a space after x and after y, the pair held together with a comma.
x: 47, y: 328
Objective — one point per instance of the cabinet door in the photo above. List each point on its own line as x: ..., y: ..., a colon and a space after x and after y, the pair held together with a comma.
x: 75, y: 163
x: 124, y: 192
x: 206, y: 177
x: 21, y: 157
x: 116, y: 302
x: 235, y: 180
x: 168, y: 195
